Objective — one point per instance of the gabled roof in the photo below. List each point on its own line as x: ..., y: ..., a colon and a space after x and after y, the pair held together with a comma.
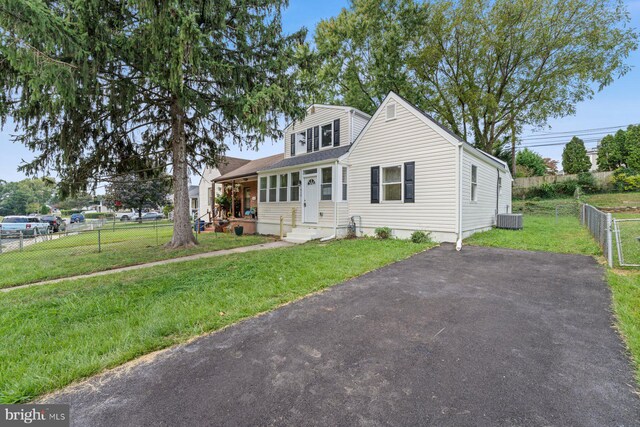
x: 443, y: 130
x: 317, y: 156
x: 229, y: 164
x: 250, y: 168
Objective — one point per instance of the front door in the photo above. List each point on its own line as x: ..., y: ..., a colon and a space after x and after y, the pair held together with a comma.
x: 310, y: 202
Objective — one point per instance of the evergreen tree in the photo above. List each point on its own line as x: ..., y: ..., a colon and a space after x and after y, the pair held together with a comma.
x: 574, y: 157
x: 100, y: 88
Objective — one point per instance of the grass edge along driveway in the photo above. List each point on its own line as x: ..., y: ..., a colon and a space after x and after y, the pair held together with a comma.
x: 53, y: 335
x: 543, y: 233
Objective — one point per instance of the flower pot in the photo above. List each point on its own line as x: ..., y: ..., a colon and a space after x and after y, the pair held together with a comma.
x: 239, y: 230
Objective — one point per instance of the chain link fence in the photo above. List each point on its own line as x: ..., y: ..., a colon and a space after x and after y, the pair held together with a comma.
x: 97, y: 236
x: 599, y: 225
x: 627, y: 235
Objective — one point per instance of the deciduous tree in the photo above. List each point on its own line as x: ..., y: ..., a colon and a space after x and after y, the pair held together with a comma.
x: 133, y: 192
x: 485, y: 68
x: 532, y: 161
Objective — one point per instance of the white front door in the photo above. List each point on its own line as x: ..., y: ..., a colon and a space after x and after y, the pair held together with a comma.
x: 310, y: 201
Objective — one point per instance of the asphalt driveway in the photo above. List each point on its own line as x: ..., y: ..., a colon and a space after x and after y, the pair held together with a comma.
x: 481, y: 337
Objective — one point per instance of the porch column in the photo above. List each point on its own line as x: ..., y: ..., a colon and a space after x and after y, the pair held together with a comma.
x: 233, y: 198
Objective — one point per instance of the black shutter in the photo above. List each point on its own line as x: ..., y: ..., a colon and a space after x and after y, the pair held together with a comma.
x: 336, y: 132
x: 293, y: 144
x: 316, y: 138
x: 309, y: 136
x: 375, y: 184
x: 409, y: 182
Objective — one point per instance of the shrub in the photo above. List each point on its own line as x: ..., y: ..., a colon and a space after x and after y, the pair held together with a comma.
x: 587, y: 182
x: 383, y: 232
x: 421, y: 237
x: 626, y: 180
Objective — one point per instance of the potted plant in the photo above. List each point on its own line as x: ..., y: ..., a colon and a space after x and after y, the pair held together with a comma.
x: 238, y: 229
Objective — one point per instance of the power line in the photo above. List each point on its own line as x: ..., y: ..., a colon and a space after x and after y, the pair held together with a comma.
x: 574, y: 132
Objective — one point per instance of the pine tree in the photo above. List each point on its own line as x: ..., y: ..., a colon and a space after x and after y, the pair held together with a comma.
x: 101, y: 88
x: 574, y: 157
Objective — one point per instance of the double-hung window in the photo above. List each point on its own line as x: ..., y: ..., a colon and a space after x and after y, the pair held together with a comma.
x: 263, y: 189
x: 273, y: 182
x: 392, y: 183
x: 344, y: 183
x: 327, y: 182
x: 326, y: 135
x: 474, y: 183
x: 283, y: 187
x: 295, y: 186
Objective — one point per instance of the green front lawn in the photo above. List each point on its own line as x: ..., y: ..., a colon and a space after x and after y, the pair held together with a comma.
x: 541, y: 233
x: 625, y: 287
x: 53, y: 335
x: 78, y: 253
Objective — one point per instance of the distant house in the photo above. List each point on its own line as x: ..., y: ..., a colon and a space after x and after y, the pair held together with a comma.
x: 593, y: 158
x: 399, y: 169
x: 206, y: 190
x: 194, y: 200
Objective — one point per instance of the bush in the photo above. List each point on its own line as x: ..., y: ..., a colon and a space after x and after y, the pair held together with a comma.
x: 587, y: 182
x: 626, y: 180
x: 69, y: 212
x: 383, y: 232
x: 420, y: 237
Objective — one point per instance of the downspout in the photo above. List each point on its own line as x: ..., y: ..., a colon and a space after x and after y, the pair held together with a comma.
x: 460, y: 171
x: 335, y: 201
x: 497, y: 194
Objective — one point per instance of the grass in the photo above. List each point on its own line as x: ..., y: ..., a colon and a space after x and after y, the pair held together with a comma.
x: 541, y: 233
x: 120, y: 247
x: 625, y: 288
x: 613, y: 200
x: 53, y: 335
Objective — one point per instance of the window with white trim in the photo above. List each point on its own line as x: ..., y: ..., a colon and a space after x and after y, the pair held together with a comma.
x: 326, y: 135
x: 263, y: 189
x: 301, y: 138
x: 344, y: 183
x: 326, y: 183
x: 273, y: 191
x: 284, y: 178
x: 474, y: 183
x: 295, y: 187
x: 392, y: 183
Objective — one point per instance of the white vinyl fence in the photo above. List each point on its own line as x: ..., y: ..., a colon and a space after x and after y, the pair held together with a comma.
x: 599, y: 225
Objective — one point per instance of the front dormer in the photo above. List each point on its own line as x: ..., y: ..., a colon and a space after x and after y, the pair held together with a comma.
x: 325, y: 127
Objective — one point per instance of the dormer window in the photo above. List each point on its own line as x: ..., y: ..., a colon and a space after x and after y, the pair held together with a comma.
x: 301, y: 139
x: 391, y: 111
x: 327, y: 135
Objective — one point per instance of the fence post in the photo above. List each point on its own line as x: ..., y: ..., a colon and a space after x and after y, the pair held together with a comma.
x: 21, y: 241
x: 0, y: 242
x: 99, y: 241
x: 157, y: 243
x: 281, y: 227
x: 609, y: 248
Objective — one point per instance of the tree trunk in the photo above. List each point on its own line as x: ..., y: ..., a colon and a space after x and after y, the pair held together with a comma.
x: 182, y: 230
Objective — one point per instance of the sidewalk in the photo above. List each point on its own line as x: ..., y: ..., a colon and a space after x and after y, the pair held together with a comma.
x: 242, y: 249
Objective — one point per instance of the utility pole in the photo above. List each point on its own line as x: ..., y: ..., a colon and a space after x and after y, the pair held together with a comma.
x: 513, y: 147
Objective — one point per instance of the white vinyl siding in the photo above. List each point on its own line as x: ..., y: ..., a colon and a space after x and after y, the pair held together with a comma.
x: 480, y: 214
x: 395, y: 142
x: 359, y: 122
x: 322, y: 116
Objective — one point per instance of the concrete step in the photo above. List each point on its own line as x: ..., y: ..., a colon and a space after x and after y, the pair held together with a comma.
x: 302, y: 235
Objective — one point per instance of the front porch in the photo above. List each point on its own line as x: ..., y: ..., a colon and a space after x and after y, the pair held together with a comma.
x: 237, y: 205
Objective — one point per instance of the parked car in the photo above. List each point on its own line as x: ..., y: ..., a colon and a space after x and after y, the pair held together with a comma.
x: 56, y: 223
x: 77, y: 218
x: 29, y: 226
x: 152, y: 216
x: 126, y: 216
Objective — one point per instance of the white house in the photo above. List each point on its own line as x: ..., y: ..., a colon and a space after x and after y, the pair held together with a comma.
x: 207, y: 192
x: 398, y: 169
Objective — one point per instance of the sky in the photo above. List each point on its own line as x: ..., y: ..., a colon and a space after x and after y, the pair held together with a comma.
x: 617, y: 105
